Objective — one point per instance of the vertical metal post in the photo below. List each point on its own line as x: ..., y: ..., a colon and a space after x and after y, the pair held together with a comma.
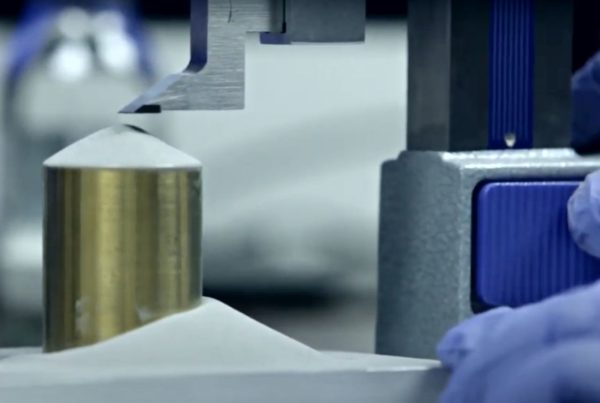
x: 489, y: 74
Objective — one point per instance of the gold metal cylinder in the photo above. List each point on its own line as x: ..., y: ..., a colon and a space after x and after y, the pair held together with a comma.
x: 121, y: 249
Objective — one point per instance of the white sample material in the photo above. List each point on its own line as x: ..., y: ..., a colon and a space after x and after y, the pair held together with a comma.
x: 211, y: 339
x: 121, y: 147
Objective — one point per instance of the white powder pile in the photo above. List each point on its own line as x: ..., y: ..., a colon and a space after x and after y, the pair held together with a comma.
x: 121, y: 147
x: 212, y: 338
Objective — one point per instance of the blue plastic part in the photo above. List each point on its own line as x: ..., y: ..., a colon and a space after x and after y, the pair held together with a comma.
x: 511, y: 59
x: 523, y: 250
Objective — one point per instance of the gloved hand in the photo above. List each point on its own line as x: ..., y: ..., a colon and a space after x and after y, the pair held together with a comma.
x: 545, y: 352
x: 585, y: 90
x: 584, y: 214
x: 549, y: 351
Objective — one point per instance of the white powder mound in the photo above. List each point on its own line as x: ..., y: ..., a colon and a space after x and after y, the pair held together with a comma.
x: 213, y: 336
x: 121, y: 147
x: 211, y: 339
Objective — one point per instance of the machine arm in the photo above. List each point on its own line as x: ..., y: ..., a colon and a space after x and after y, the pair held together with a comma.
x: 214, y: 78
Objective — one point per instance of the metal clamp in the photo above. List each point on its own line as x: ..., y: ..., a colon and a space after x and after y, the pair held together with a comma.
x: 214, y: 78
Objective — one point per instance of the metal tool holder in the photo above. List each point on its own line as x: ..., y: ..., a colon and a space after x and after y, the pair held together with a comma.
x: 215, y: 76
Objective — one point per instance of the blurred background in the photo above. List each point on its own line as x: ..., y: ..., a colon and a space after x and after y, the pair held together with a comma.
x: 291, y: 183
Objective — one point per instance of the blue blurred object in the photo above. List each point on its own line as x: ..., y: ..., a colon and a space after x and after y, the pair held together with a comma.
x: 585, y: 87
x: 544, y: 352
x: 39, y: 18
x: 523, y: 249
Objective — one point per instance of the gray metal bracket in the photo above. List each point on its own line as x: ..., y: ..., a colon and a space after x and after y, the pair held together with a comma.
x: 214, y: 78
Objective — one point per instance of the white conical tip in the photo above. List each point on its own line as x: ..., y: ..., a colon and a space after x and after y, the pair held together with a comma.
x: 121, y: 147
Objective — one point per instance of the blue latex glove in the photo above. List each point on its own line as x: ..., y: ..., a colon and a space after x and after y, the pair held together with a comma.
x: 544, y: 352
x: 584, y: 214
x: 585, y: 89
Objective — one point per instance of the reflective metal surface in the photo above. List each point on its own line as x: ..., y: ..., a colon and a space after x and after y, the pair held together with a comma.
x: 122, y: 248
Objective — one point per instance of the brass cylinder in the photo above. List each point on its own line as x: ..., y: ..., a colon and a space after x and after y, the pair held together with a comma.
x: 121, y: 249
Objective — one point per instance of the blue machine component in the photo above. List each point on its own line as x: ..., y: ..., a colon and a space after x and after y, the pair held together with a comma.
x: 523, y: 251
x: 511, y: 59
